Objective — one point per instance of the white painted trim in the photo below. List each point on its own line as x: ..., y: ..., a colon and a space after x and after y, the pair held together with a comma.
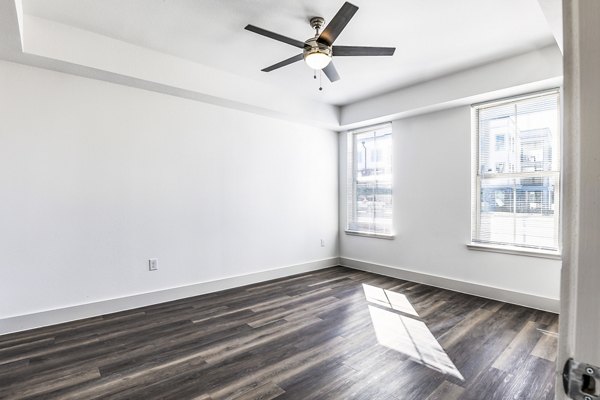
x: 57, y: 316
x: 517, y: 251
x: 371, y: 235
x: 580, y: 328
x: 477, y: 289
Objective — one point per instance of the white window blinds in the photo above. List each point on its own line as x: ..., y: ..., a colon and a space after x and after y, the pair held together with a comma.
x: 516, y: 162
x: 369, y: 189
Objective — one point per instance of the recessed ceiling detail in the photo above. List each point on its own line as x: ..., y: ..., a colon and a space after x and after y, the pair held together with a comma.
x: 434, y: 37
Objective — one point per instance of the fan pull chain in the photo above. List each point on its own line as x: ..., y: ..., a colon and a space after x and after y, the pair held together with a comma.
x: 320, y: 80
x: 315, y: 75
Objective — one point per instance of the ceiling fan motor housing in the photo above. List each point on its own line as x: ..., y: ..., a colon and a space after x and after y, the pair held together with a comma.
x: 312, y: 46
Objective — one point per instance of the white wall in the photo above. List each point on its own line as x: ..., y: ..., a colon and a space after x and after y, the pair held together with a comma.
x: 96, y: 178
x: 529, y: 72
x: 432, y: 212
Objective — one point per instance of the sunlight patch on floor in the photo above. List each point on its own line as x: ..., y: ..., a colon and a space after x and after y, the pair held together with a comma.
x: 389, y: 299
x: 399, y: 328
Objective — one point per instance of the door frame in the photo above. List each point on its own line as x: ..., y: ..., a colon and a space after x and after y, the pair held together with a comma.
x: 580, y: 276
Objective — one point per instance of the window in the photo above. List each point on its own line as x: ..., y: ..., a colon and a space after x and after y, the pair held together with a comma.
x: 516, y: 170
x: 500, y: 143
x: 369, y: 190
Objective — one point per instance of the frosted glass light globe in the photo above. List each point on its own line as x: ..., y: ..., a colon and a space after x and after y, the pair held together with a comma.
x: 317, y: 60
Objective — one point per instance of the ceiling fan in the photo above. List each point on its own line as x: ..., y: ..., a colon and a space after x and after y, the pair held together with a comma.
x: 317, y: 51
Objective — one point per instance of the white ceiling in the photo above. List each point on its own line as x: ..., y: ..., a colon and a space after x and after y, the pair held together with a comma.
x: 433, y: 37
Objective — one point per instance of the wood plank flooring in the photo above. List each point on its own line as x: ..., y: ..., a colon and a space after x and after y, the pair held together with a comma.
x: 331, y: 334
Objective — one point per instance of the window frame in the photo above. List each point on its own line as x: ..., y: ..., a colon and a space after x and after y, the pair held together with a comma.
x: 351, y: 179
x: 475, y: 243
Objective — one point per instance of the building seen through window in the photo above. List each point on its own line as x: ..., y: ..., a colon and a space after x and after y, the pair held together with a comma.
x: 370, y: 181
x: 518, y: 170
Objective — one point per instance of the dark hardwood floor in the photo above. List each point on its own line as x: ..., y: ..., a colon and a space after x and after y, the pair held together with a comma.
x: 331, y: 334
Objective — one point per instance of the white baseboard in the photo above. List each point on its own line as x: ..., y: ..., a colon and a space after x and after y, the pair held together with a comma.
x: 57, y: 316
x: 489, y: 292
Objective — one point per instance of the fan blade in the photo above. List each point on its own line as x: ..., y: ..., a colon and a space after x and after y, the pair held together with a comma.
x: 337, y: 24
x: 363, y: 51
x: 283, y: 63
x: 331, y: 72
x: 275, y: 36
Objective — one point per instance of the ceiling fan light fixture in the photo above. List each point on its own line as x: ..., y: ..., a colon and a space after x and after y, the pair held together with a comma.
x: 316, y: 55
x: 317, y: 60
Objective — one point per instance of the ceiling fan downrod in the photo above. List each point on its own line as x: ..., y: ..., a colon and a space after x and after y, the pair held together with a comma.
x: 317, y: 23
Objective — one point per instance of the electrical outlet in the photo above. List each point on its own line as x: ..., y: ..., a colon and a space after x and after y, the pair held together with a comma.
x: 153, y: 264
x: 322, y: 243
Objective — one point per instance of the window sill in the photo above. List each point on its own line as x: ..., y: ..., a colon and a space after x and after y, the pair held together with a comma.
x: 519, y: 251
x: 371, y: 235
